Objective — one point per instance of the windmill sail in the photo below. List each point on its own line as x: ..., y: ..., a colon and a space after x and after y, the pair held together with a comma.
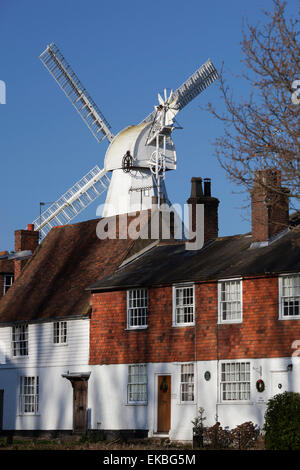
x: 198, y: 82
x: 68, y: 81
x: 74, y: 201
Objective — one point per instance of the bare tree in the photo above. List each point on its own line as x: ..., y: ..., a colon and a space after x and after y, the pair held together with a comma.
x: 262, y: 131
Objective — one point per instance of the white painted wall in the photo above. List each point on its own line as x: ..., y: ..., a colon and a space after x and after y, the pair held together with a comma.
x: 48, y: 361
x: 42, y: 350
x: 107, y: 387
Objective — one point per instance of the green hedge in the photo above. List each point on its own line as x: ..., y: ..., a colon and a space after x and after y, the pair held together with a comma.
x: 282, y: 422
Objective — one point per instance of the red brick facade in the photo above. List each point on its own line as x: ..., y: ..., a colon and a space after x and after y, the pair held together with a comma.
x: 260, y: 334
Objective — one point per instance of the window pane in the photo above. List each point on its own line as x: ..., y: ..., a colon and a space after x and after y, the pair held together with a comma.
x: 291, y: 295
x: 187, y: 382
x: 184, y: 304
x: 20, y: 340
x: 137, y: 307
x: 235, y: 381
x: 137, y: 383
x: 29, y: 391
x: 230, y: 300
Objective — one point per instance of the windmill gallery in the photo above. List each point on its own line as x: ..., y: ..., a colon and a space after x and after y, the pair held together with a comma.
x: 130, y: 334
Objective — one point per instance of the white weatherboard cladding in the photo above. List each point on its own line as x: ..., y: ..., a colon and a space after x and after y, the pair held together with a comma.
x: 42, y: 350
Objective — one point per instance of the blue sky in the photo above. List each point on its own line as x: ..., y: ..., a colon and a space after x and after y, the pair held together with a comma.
x: 124, y: 52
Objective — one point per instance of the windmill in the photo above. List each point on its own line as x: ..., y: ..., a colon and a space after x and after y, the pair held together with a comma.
x: 137, y: 158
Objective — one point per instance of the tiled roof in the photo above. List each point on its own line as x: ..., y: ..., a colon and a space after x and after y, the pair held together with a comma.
x: 53, y: 282
x: 225, y: 257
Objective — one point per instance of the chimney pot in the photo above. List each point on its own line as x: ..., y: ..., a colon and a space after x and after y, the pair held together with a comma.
x: 210, y: 208
x: 207, y: 187
x: 30, y: 227
x: 196, y: 189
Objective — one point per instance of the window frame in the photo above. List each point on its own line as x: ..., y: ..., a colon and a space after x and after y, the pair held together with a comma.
x: 5, y: 285
x: 220, y: 311
x: 239, y: 400
x: 193, y: 383
x: 130, y: 383
x: 280, y: 298
x: 176, y: 287
x: 59, y: 334
x: 23, y: 395
x: 16, y: 344
x: 128, y: 308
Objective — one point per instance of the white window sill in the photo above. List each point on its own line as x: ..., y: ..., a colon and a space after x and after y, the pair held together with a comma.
x: 229, y: 322
x: 187, y: 403
x: 134, y: 328
x: 236, y: 402
x: 182, y: 325
x: 137, y: 403
x: 292, y: 317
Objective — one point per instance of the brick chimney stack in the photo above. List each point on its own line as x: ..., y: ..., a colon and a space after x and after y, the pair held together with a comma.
x: 202, y: 195
x: 269, y: 205
x: 25, y: 240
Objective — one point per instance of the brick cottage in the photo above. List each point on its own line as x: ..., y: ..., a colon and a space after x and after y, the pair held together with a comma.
x: 133, y: 336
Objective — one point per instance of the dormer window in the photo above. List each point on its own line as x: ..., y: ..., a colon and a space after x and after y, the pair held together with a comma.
x: 8, y: 280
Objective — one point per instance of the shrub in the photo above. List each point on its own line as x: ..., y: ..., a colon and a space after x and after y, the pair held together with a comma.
x: 244, y: 436
x: 217, y: 437
x: 282, y: 422
x: 198, y: 428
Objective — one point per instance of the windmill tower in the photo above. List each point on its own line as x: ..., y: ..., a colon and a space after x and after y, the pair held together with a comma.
x: 137, y: 158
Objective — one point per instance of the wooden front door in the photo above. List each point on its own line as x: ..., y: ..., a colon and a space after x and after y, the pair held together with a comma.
x: 80, y: 405
x: 164, y: 403
x: 1, y: 409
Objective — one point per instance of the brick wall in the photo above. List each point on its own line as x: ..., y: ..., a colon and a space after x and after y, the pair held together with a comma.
x: 260, y: 334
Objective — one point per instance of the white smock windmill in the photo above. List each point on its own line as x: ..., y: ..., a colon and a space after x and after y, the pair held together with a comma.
x: 137, y: 157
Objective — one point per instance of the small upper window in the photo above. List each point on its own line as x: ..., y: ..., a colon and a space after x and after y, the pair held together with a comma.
x: 289, y: 296
x: 20, y: 340
x: 183, y: 305
x: 137, y: 308
x: 60, y: 332
x: 230, y: 301
x: 8, y: 279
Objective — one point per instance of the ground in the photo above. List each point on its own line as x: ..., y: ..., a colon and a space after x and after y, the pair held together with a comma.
x: 81, y: 443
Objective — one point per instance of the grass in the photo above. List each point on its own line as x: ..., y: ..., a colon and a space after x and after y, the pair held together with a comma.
x: 90, y: 444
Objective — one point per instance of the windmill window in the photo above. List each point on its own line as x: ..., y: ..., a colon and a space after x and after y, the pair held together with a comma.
x: 137, y: 308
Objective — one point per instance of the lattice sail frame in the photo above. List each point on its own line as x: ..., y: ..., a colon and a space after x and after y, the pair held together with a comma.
x: 70, y: 84
x: 74, y: 201
x: 192, y: 87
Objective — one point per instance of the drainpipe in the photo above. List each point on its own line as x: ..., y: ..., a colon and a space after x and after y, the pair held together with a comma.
x: 218, y: 366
